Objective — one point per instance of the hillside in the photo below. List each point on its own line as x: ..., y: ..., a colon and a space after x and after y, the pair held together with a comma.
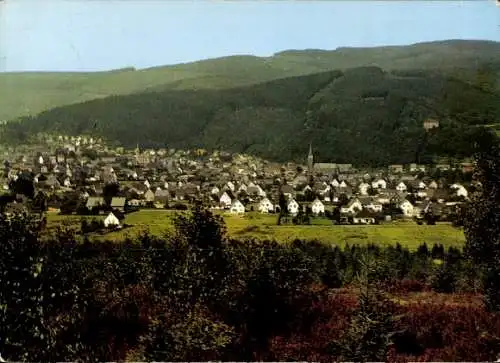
x: 30, y: 93
x: 362, y: 115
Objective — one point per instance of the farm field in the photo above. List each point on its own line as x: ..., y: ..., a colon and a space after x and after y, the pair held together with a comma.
x: 259, y: 226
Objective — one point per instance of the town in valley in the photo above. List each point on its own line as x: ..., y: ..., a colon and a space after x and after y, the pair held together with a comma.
x: 84, y: 175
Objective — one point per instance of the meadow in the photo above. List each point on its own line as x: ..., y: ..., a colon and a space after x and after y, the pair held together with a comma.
x: 260, y: 226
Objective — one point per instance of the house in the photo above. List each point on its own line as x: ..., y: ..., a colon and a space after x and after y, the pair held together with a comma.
x: 344, y: 168
x: 287, y: 191
x: 299, y: 180
x: 335, y: 183
x: 325, y: 168
x: 292, y: 206
x: 379, y: 184
x: 111, y: 221
x: 443, y: 167
x: 460, y: 190
x: 265, y: 206
x: 94, y: 202
x: 149, y: 196
x: 429, y: 124
x: 396, y: 169
x: 363, y: 188
x: 352, y: 207
x: 433, y: 185
x: 370, y: 204
x: 467, y: 167
x: 401, y: 187
x: 306, y: 189
x: 162, y: 196
x: 256, y: 190
x: 118, y: 203
x: 52, y: 182
x: 317, y: 207
x: 407, y: 208
x: 225, y: 200
x: 364, y: 217
x: 438, y: 194
x: 230, y: 185
x: 237, y: 207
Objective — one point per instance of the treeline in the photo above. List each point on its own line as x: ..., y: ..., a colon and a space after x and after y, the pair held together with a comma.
x: 363, y: 116
x: 197, y: 295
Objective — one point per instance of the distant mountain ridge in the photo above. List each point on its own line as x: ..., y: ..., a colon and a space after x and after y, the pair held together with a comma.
x: 32, y: 92
x: 365, y: 115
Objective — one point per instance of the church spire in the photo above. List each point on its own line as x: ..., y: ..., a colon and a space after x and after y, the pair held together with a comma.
x: 310, y: 162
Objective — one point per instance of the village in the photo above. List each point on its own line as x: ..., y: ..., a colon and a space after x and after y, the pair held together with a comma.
x: 86, y: 176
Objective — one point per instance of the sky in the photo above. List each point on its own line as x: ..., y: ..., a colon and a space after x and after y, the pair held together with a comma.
x: 93, y: 35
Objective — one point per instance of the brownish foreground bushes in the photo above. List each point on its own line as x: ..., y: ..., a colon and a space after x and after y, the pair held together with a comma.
x: 195, y: 295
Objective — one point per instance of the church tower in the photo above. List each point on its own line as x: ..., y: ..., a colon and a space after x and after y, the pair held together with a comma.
x: 310, y: 163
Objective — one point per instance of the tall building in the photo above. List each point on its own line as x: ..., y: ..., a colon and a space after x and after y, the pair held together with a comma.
x: 310, y: 163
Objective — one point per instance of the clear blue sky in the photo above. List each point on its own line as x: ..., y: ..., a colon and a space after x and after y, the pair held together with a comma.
x: 74, y: 35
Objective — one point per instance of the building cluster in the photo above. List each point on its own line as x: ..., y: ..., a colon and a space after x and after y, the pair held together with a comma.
x: 83, y: 168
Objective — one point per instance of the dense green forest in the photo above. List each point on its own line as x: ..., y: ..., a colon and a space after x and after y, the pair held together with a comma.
x: 29, y: 93
x: 362, y: 115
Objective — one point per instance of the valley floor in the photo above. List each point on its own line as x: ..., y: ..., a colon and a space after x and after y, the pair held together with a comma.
x: 260, y: 226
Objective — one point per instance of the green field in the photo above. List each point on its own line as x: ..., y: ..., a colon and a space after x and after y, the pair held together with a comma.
x: 259, y: 226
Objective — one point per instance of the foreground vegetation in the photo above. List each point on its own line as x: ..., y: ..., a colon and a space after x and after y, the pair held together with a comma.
x: 196, y: 294
x: 263, y: 227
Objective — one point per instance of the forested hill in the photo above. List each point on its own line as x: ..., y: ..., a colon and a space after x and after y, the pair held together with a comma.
x: 363, y: 115
x: 29, y: 93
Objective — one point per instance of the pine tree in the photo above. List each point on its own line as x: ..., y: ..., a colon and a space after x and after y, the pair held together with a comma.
x: 482, y: 216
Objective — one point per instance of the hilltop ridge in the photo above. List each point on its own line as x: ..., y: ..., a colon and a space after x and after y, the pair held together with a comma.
x: 30, y: 93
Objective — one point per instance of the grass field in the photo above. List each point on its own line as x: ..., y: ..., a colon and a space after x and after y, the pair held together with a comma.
x: 259, y: 226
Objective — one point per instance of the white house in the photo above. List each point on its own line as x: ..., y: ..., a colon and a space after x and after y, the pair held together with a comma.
x: 460, y: 190
x: 292, y: 206
x: 401, y: 187
x: 237, y: 207
x: 215, y: 190
x: 421, y: 185
x: 433, y: 185
x: 111, y: 221
x: 335, y: 183
x: 363, y: 217
x: 374, y: 206
x: 353, y: 206
x: 343, y: 184
x: 147, y: 184
x: 422, y: 193
x: 242, y: 188
x: 261, y: 191
x: 317, y: 207
x: 225, y: 200
x: 265, y: 206
x: 407, y: 208
x: 230, y: 185
x: 379, y: 184
x: 363, y: 188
